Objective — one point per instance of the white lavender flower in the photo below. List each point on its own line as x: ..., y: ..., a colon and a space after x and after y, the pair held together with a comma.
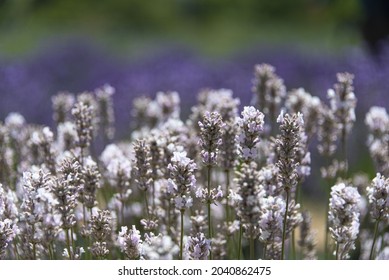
x: 343, y: 217
x: 101, y: 233
x: 307, y: 240
x: 182, y: 180
x: 169, y: 105
x: 105, y: 109
x: 271, y: 219
x: 343, y: 101
x: 62, y: 104
x: 378, y: 195
x: 8, y: 231
x: 251, y: 125
x: 377, y: 121
x: 310, y: 106
x: 250, y: 193
x: 130, y: 242
x: 83, y: 115
x: 158, y: 247
x: 142, y: 165
x: 210, y: 137
x: 198, y: 247
x: 287, y: 146
x: 43, y: 141
x: 66, y: 136
x: 262, y: 74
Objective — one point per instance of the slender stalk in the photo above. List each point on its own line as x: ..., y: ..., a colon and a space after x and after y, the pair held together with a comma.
x: 71, y: 237
x: 374, y: 239
x: 16, y: 253
x: 284, y: 225
x: 84, y: 214
x: 240, y: 242
x: 169, y: 217
x: 227, y: 173
x: 33, y: 243
x: 252, y: 248
x: 122, y: 208
x: 337, y: 251
x: 209, y: 208
x: 68, y: 243
x: 293, y: 245
x: 147, y: 205
x: 264, y: 252
x: 328, y: 193
x: 153, y: 198
x: 344, y: 149
x: 182, y: 234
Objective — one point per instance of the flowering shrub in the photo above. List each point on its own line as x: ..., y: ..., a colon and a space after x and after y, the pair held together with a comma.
x: 221, y: 184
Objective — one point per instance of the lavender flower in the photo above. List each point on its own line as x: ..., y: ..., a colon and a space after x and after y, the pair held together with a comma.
x: 210, y: 137
x: 328, y: 132
x: 169, y: 105
x: 251, y: 125
x: 310, y: 106
x: 377, y: 121
x: 101, y: 233
x: 142, y: 165
x: 130, y: 243
x: 62, y: 104
x: 83, y: 115
x: 378, y: 195
x: 158, y: 247
x: 8, y: 231
x: 343, y: 101
x: 250, y: 193
x: 343, y: 217
x: 271, y: 223
x: 262, y: 74
x: 66, y: 136
x: 198, y: 247
x: 43, y: 140
x: 91, y: 183
x: 307, y: 240
x: 105, y: 109
x: 287, y: 147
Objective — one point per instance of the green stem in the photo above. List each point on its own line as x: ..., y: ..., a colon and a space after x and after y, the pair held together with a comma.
x: 337, y: 251
x: 209, y: 208
x: 284, y: 225
x: 374, y: 239
x: 147, y: 205
x: 169, y: 223
x: 240, y: 242
x: 252, y: 248
x: 264, y: 251
x: 293, y: 245
x: 68, y: 243
x: 182, y: 234
x: 328, y: 192
x: 227, y: 173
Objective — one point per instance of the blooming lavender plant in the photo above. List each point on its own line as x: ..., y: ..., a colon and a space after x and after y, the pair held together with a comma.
x: 378, y: 195
x: 251, y: 125
x: 210, y: 141
x: 130, y: 243
x: 181, y: 183
x: 343, y: 218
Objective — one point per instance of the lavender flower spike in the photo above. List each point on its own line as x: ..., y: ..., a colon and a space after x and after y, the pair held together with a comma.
x: 210, y: 137
x: 343, y: 217
x: 251, y: 125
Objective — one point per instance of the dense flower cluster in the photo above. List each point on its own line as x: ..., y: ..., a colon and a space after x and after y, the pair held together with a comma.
x: 221, y: 184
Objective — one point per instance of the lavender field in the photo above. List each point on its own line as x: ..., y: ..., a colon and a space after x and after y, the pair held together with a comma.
x: 176, y: 156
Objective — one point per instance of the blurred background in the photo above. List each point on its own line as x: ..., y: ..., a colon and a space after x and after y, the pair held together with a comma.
x: 141, y: 47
